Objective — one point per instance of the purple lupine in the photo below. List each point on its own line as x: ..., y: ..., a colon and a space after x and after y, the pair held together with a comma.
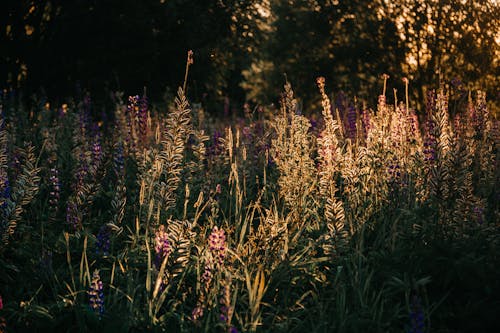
x: 478, y: 214
x: 351, y: 122
x: 54, y: 189
x: 217, y: 249
x: 207, y: 276
x: 314, y: 125
x: 97, y: 152
x: 72, y: 215
x: 81, y: 174
x: 472, y: 115
x: 217, y: 244
x: 103, y: 242
x: 206, y: 279
x: 225, y: 306
x: 162, y: 245
x: 216, y: 148
x: 96, y: 294
x: 142, y: 116
x: 430, y: 142
x: 430, y: 101
x: 417, y: 318
x: 394, y: 170
x: 118, y: 160
x: 414, y: 125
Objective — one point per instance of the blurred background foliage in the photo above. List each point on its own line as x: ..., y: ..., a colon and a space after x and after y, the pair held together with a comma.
x: 244, y: 48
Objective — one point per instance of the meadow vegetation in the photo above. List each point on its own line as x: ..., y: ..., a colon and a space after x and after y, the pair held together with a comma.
x: 350, y: 219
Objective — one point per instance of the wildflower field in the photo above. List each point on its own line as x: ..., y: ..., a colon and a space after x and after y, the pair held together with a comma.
x: 164, y: 218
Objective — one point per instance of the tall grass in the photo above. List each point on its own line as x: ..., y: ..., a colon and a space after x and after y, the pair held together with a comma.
x: 383, y: 220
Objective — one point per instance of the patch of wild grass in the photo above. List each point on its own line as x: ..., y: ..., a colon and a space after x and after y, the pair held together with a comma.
x: 368, y: 220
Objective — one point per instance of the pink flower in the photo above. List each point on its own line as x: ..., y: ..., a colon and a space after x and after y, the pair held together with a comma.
x: 217, y: 244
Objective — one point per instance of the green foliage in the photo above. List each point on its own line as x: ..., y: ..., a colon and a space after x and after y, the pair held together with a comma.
x: 353, y: 223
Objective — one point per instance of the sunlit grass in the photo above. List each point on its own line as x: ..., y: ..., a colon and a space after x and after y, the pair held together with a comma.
x: 349, y: 220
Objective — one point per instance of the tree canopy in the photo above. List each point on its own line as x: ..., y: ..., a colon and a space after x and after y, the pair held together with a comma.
x: 243, y: 48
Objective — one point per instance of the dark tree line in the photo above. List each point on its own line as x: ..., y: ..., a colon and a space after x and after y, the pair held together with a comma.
x: 243, y: 48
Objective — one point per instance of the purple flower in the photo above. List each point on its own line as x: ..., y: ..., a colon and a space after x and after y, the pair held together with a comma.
x: 430, y: 142
x: 417, y: 318
x: 103, y: 243
x: 206, y: 278
x: 81, y: 173
x: 162, y: 245
x: 217, y: 244
x: 119, y: 160
x: 479, y: 214
x: 413, y: 121
x: 430, y: 102
x: 394, y: 170
x: 1, y: 303
x: 96, y: 295
x: 217, y: 147
x: 97, y: 151
x: 226, y: 311
x: 142, y: 116
x: 72, y: 215
x: 351, y: 122
x: 314, y: 124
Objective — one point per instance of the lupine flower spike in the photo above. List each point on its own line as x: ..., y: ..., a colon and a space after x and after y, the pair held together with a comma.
x: 162, y: 245
x: 96, y: 295
x: 416, y: 316
x: 103, y: 243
